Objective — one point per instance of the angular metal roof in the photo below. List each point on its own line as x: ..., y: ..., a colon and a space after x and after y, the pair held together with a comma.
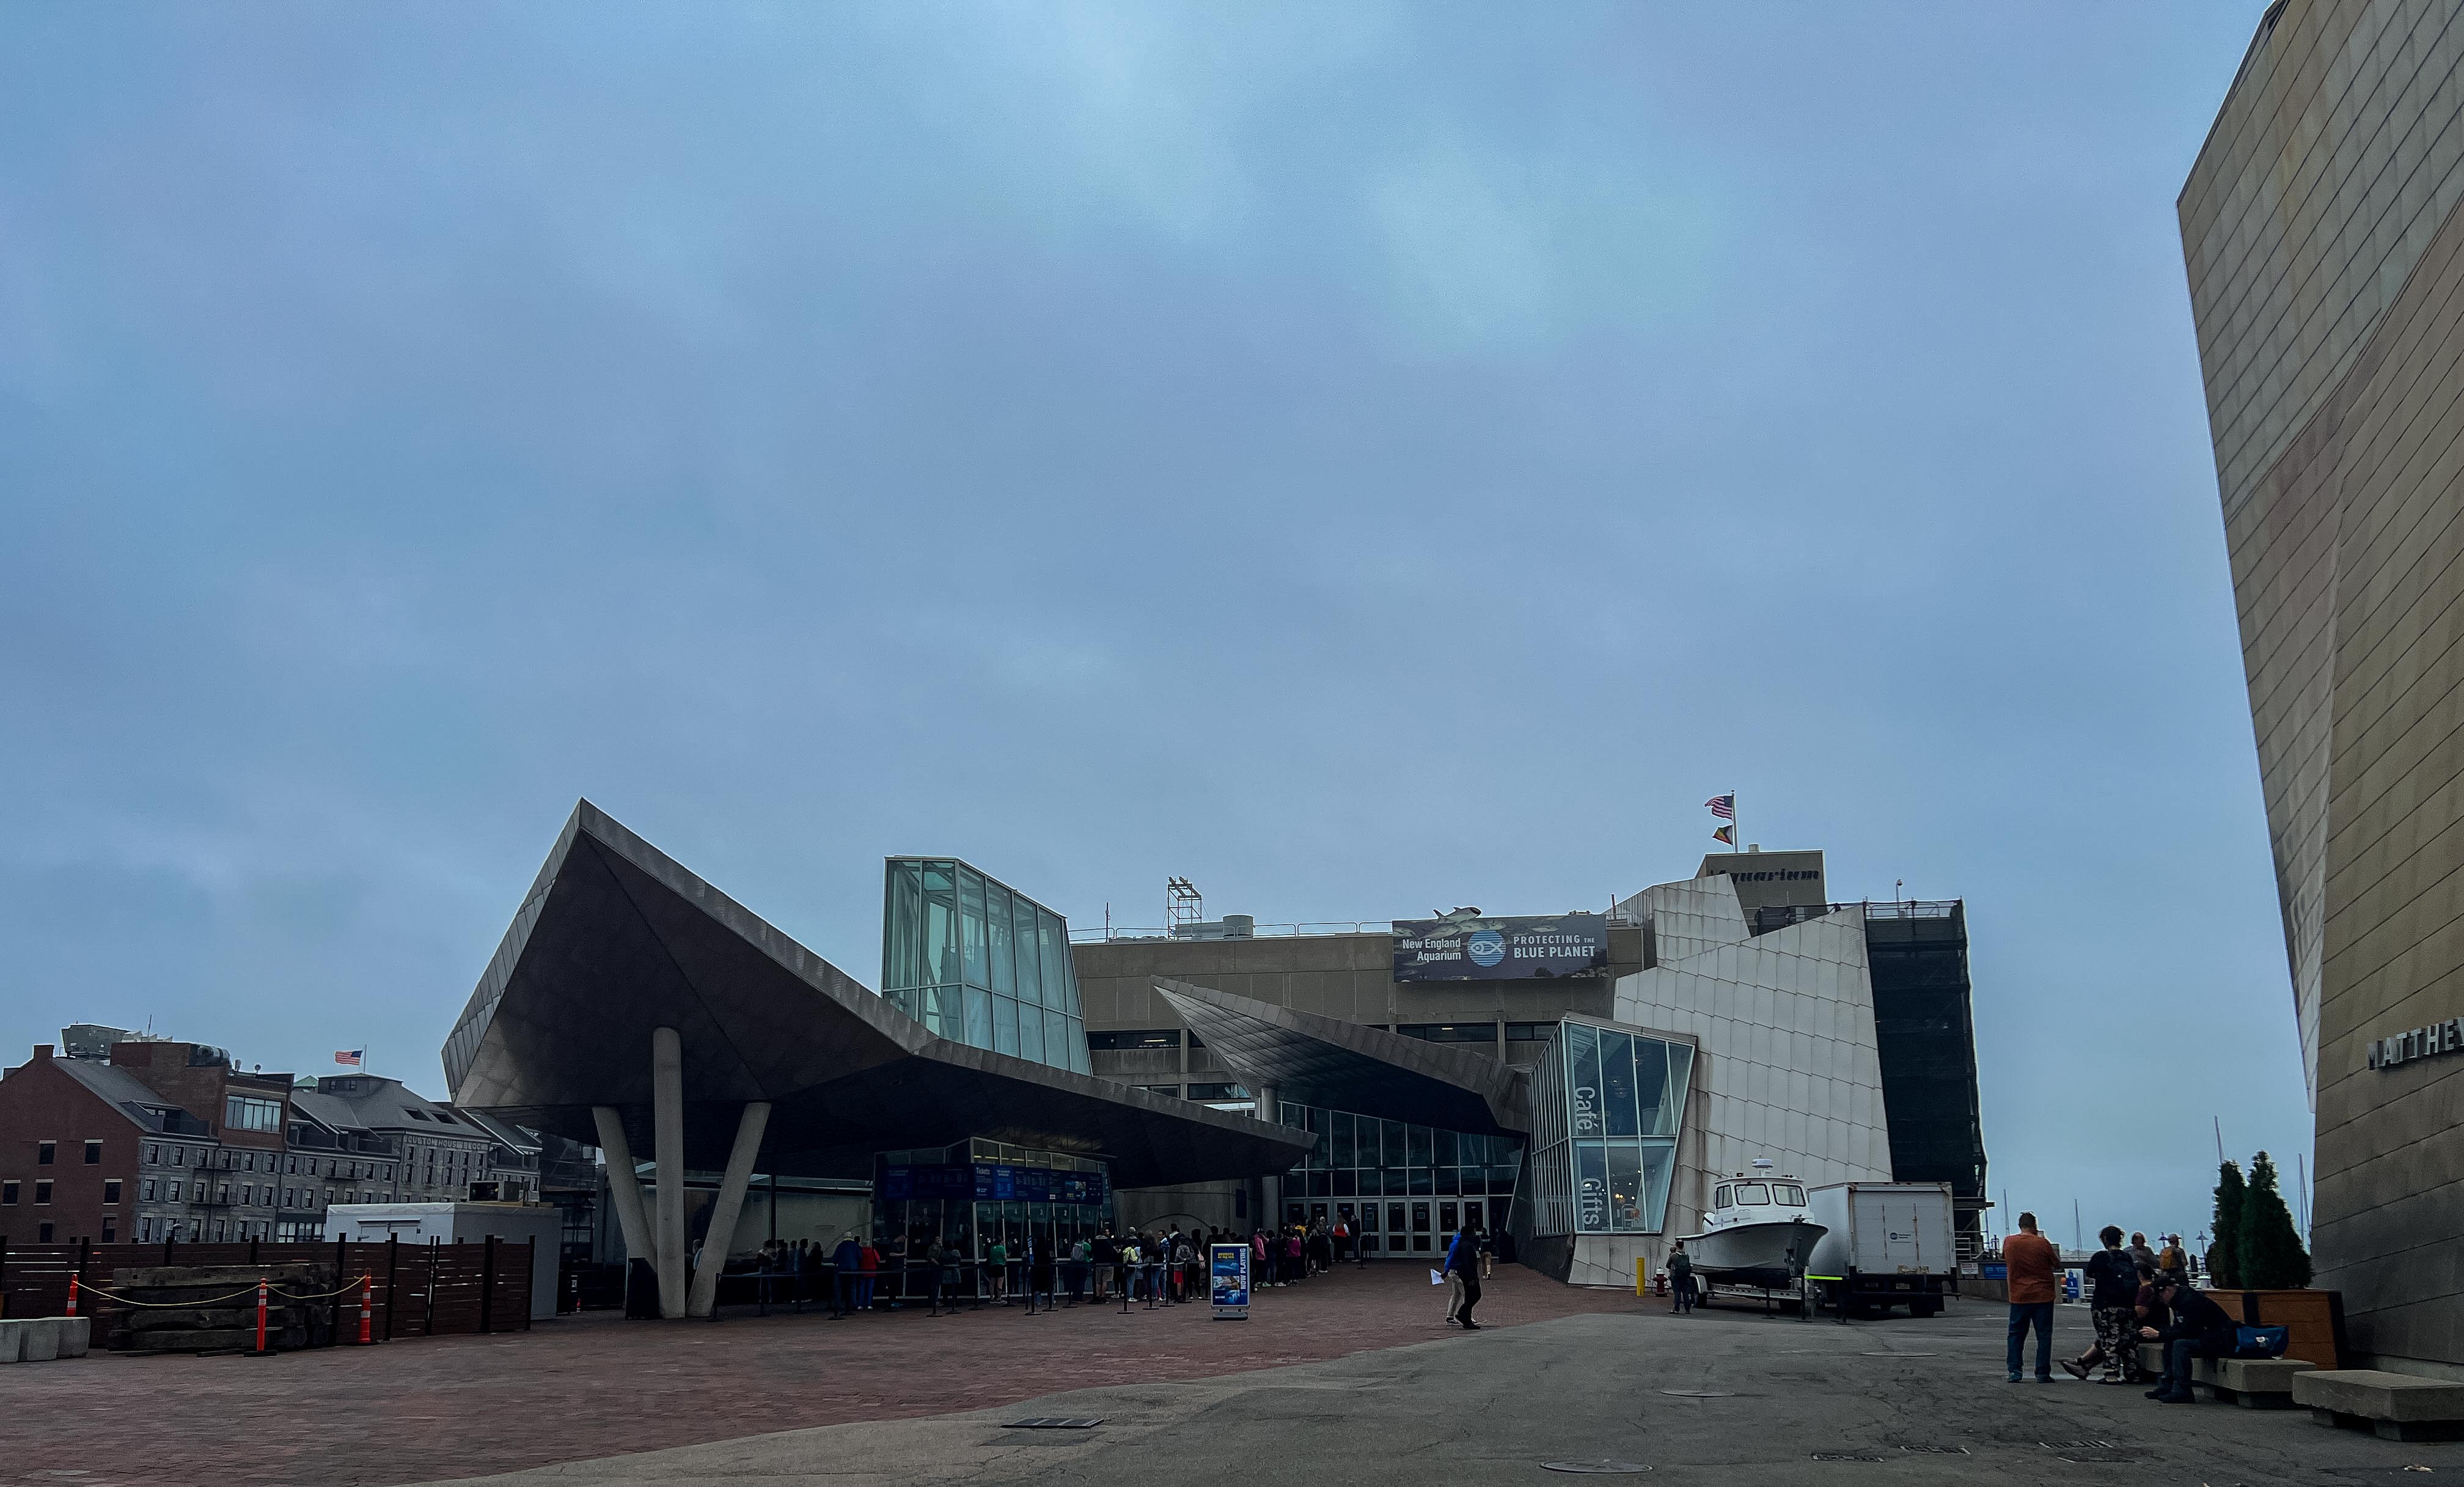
x: 615, y: 940
x: 1324, y: 1060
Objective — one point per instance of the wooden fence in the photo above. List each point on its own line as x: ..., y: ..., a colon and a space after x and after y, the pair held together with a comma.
x: 417, y: 1290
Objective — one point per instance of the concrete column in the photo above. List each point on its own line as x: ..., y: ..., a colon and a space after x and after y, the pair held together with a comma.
x: 623, y: 1184
x: 667, y: 1131
x: 731, y: 1203
x: 1271, y: 1186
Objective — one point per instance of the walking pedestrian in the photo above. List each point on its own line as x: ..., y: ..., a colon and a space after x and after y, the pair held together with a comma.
x: 867, y: 1272
x: 2029, y: 1260
x: 2139, y: 1253
x: 1463, y: 1259
x: 2113, y: 1290
x: 996, y: 1270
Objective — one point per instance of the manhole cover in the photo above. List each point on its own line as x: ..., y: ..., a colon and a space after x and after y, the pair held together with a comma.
x: 1698, y: 1393
x: 1606, y: 1466
x: 1052, y: 1423
x: 1833, y: 1455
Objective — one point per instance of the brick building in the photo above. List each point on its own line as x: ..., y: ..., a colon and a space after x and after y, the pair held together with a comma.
x: 146, y: 1138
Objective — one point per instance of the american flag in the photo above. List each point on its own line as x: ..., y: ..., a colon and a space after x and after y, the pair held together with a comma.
x: 1725, y: 807
x: 348, y: 1058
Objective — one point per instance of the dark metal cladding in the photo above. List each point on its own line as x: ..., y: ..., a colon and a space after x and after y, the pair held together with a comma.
x: 1315, y: 1059
x: 615, y: 940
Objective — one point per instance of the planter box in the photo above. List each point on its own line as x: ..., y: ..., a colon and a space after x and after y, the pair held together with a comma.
x: 2314, y: 1320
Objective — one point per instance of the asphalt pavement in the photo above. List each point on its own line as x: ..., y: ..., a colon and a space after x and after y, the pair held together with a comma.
x: 1723, y: 1396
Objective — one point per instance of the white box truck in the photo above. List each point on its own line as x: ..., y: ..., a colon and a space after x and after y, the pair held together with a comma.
x: 1887, y: 1244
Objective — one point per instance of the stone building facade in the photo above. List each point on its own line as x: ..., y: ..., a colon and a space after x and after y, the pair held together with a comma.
x: 2326, y: 258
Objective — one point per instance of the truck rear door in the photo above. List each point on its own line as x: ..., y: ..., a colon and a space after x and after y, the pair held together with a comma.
x: 1889, y: 1235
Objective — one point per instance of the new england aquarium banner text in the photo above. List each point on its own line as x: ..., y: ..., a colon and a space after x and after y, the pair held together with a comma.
x: 1501, y: 949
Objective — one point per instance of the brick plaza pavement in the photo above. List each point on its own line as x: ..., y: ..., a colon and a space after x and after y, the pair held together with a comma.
x: 597, y: 1386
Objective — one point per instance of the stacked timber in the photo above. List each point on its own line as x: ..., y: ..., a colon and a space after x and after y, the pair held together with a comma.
x: 207, y: 1308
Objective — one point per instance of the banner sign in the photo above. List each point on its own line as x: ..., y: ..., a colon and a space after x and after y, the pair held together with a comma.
x: 1228, y: 1268
x: 991, y: 1182
x: 1501, y: 949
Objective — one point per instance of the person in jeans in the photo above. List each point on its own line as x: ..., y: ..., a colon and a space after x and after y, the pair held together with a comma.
x: 2200, y: 1329
x: 2031, y: 1260
x: 2112, y: 1283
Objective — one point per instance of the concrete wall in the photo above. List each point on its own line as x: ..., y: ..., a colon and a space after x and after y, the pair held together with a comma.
x: 1789, y: 1066
x: 2326, y: 269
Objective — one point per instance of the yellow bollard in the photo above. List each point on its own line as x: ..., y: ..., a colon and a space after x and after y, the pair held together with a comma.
x: 1641, y: 1275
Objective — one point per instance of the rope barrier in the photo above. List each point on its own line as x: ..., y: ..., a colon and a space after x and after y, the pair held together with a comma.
x: 356, y: 1282
x: 94, y: 1290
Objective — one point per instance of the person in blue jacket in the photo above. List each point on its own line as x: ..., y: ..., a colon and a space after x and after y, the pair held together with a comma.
x: 1463, y: 1262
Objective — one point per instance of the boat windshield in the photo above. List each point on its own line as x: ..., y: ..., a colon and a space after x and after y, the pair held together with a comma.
x: 1753, y: 1193
x: 1789, y: 1193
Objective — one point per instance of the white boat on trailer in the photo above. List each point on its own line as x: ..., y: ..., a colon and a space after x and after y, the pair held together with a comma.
x: 1756, y: 1233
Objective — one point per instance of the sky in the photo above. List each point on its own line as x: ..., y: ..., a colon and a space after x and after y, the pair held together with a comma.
x: 1364, y: 459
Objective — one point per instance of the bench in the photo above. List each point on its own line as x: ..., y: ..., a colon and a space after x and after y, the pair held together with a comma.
x: 2396, y: 1406
x: 2251, y: 1383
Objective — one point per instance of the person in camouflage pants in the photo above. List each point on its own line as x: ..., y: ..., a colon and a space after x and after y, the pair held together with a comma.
x: 2113, y: 1282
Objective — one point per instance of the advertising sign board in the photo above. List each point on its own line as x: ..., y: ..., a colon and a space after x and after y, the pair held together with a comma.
x: 1228, y: 1268
x: 1469, y: 948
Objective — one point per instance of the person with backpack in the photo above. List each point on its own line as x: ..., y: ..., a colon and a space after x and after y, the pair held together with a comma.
x: 2113, y: 1281
x: 1462, y: 1265
x: 1681, y: 1278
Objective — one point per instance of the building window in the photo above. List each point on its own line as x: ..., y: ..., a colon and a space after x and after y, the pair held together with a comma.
x: 1172, y: 1089
x: 7, y: 1195
x: 291, y: 1164
x: 179, y: 1156
x: 1121, y: 1042
x: 1217, y: 1092
x: 110, y: 1229
x: 153, y: 1155
x: 111, y: 1189
x: 144, y: 1229
x: 242, y: 1112
x: 42, y: 1233
x: 43, y: 1152
x: 43, y: 1191
x: 94, y: 1153
x: 1449, y: 1032
x: 1528, y: 1031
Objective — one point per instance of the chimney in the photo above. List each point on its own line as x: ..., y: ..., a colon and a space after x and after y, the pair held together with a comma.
x: 42, y: 1053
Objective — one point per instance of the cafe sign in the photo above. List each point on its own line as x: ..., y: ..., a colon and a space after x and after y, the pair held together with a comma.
x: 2402, y: 1048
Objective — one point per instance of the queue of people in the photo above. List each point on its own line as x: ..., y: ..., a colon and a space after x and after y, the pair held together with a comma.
x: 2135, y: 1294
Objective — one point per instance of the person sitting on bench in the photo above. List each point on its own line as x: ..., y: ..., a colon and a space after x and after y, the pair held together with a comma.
x: 2200, y: 1329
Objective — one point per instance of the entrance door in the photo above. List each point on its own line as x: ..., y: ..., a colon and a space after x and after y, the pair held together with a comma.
x: 1471, y: 1216
x: 1397, y: 1230
x: 1419, y: 1228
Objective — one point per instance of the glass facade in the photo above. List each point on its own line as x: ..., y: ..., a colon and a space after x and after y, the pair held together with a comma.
x: 1607, y: 1105
x: 1401, y: 1188
x: 980, y: 963
x: 976, y: 1192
